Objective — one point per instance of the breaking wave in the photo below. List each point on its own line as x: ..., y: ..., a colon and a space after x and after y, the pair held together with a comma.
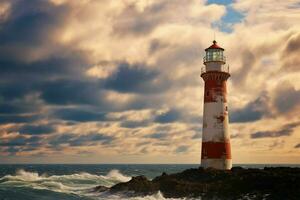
x: 80, y: 184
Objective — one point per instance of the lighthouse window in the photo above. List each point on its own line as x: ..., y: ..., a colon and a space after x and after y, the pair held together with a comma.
x: 214, y: 55
x: 226, y: 108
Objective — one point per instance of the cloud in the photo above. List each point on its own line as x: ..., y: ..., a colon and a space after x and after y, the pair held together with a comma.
x: 143, y: 20
x: 135, y: 124
x: 24, y: 15
x: 131, y: 21
x: 156, y: 45
x: 21, y: 141
x: 286, y: 98
x: 277, y: 145
x: 12, y: 150
x: 164, y: 116
x: 66, y: 92
x: 182, y: 149
x: 20, y: 144
x: 6, y: 119
x: 61, y: 139
x: 157, y: 135
x: 264, y: 134
x: 16, y: 109
x: 293, y: 45
x: 29, y: 28
x: 57, y: 66
x: 248, y: 61
x: 290, y: 56
x: 93, y: 138
x: 81, y: 140
x: 133, y: 79
x: 252, y: 111
x: 168, y: 117
x: 79, y: 115
x: 30, y: 52
x: 37, y: 129
x: 286, y: 130
x: 14, y: 90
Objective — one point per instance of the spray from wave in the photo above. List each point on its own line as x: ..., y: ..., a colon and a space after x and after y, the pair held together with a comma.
x: 80, y: 184
x: 74, y: 183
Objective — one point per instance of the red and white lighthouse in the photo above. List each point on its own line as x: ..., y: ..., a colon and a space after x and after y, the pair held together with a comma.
x: 216, y: 151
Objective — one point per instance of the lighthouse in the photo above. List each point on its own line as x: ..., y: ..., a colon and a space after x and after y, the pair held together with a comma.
x: 216, y: 151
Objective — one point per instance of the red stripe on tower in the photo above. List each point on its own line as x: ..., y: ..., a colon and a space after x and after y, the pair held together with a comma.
x: 215, y: 150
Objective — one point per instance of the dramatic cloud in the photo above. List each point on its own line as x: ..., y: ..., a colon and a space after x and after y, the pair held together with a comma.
x: 168, y: 117
x: 36, y: 130
x: 290, y: 55
x: 182, y: 149
x: 133, y: 79
x: 8, y: 108
x: 252, y: 111
x: 135, y: 124
x: 67, y: 92
x: 80, y: 140
x: 22, y: 141
x: 20, y: 144
x: 79, y: 115
x: 286, y: 98
x: 286, y: 130
x: 6, y: 119
x: 248, y: 60
x: 157, y: 135
x: 263, y: 134
x: 119, y: 80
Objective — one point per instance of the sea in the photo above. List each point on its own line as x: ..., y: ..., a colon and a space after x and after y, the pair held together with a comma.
x: 77, y: 181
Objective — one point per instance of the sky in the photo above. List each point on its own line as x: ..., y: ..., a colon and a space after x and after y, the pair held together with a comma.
x: 101, y: 81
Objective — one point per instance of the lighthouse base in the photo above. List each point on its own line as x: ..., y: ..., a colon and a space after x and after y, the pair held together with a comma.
x: 222, y: 164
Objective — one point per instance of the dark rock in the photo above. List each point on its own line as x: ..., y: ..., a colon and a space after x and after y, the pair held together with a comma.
x: 100, y: 188
x: 164, y: 174
x: 238, y: 183
x: 237, y: 169
x: 139, y: 185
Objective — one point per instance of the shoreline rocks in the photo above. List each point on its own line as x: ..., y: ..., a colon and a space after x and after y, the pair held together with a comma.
x: 237, y: 183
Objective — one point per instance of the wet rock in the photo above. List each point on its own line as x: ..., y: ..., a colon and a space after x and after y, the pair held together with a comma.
x: 138, y: 185
x: 164, y: 174
x: 238, y: 183
x: 100, y: 188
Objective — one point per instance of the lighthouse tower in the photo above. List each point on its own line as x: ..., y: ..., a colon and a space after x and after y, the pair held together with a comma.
x: 216, y: 151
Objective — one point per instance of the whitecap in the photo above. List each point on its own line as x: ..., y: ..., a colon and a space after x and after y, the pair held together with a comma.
x: 118, y: 176
x: 79, y: 183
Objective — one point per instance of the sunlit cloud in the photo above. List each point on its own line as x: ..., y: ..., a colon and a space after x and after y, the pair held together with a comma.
x: 119, y: 80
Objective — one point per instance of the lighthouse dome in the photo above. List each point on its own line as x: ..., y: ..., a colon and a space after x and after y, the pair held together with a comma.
x: 214, y: 46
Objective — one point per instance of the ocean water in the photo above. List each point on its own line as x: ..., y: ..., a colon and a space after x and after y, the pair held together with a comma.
x: 74, y: 182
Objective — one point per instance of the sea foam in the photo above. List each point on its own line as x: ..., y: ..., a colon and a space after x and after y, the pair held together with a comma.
x: 63, y: 183
x: 80, y: 184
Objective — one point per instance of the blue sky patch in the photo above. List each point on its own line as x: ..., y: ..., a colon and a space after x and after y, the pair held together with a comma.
x: 230, y: 18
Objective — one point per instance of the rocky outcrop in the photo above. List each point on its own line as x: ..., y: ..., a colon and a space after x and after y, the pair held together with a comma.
x: 139, y: 185
x: 267, y: 183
